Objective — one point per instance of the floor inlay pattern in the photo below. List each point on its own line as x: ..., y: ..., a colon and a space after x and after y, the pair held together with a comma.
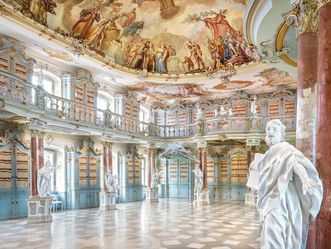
x: 168, y: 224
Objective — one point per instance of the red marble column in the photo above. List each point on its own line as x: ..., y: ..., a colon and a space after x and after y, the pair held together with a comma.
x: 105, y: 164
x: 200, y: 158
x: 34, y: 165
x: 204, y: 166
x: 41, y: 151
x: 151, y: 165
x: 110, y: 157
x: 323, y: 222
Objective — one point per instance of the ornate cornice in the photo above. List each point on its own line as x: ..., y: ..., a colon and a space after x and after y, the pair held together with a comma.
x: 304, y: 17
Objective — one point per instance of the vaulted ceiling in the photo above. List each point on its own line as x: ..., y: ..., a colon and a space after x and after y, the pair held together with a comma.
x: 161, y: 49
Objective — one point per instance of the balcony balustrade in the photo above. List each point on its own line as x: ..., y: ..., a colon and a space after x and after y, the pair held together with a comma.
x: 15, y: 91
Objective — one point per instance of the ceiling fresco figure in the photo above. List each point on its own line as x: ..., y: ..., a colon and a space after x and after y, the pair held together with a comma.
x: 40, y: 8
x: 168, y: 8
x: 81, y: 29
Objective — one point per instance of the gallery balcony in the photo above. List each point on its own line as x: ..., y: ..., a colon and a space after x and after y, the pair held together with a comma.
x: 23, y: 99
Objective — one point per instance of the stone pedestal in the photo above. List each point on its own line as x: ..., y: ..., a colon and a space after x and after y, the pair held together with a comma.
x: 201, y: 196
x: 39, y: 209
x: 107, y: 201
x: 152, y: 195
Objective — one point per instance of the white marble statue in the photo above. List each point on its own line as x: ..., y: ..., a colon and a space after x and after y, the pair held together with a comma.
x: 111, y: 182
x: 44, y: 179
x: 289, y: 194
x: 198, y: 178
x: 253, y: 106
x: 155, y: 179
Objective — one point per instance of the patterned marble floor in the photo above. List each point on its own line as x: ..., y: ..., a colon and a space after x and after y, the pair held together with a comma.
x: 168, y: 224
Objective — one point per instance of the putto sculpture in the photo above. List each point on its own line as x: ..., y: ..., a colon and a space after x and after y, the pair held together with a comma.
x: 290, y: 192
x: 111, y: 182
x: 155, y: 179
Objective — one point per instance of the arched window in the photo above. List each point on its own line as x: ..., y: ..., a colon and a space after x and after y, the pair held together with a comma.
x: 48, y: 81
x: 105, y: 101
x: 143, y: 114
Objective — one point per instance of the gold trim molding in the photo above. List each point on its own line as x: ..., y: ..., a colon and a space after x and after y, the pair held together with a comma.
x: 280, y: 43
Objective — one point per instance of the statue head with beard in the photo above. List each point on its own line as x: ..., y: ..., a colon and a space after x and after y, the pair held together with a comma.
x: 275, y: 132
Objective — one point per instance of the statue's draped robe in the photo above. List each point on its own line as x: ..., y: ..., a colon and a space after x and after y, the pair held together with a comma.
x: 284, y: 210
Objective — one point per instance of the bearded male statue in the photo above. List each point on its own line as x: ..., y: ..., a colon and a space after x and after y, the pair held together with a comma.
x: 290, y: 192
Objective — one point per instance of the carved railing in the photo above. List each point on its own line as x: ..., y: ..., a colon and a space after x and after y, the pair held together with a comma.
x: 16, y: 91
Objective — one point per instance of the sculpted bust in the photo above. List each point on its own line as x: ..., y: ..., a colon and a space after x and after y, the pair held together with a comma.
x: 290, y: 192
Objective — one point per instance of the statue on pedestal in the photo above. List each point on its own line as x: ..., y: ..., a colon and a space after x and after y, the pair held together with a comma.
x: 198, y: 179
x: 155, y: 179
x: 111, y: 182
x: 290, y: 192
x: 44, y: 180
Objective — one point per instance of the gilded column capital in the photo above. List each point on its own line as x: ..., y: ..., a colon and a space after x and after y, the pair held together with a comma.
x: 322, y: 3
x: 304, y: 17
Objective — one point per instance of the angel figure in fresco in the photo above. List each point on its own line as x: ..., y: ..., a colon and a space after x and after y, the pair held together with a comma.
x: 82, y: 28
x: 40, y: 8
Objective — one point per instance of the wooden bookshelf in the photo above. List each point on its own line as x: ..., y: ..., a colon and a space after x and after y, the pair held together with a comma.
x: 137, y: 170
x: 83, y: 176
x: 183, y: 167
x: 93, y: 178
x: 173, y: 171
x: 209, y: 114
x: 22, y: 169
x: 171, y: 119
x: 131, y: 171
x: 239, y: 110
x: 274, y: 109
x: 239, y: 169
x: 224, y: 172
x: 182, y: 118
x: 6, y: 171
x: 210, y: 171
x: 289, y: 107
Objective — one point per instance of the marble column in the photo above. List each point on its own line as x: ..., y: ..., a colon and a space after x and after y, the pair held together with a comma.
x: 34, y: 164
x: 107, y: 199
x: 151, y: 193
x: 39, y: 208
x: 305, y: 18
x: 307, y: 28
x: 204, y: 167
x: 323, y: 148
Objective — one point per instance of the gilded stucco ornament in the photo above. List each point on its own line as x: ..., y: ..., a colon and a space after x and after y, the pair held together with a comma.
x: 304, y: 17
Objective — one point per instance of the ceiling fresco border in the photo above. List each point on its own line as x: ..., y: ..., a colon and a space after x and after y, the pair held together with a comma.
x: 74, y: 47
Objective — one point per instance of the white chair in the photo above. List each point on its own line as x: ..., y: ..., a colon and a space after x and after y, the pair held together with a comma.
x: 56, y: 202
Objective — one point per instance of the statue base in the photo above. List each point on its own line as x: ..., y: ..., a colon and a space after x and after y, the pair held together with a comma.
x: 201, y: 196
x: 152, y: 195
x: 39, y: 209
x: 107, y: 201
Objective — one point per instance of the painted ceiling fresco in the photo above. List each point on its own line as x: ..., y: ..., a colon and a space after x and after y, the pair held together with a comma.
x: 157, y: 36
